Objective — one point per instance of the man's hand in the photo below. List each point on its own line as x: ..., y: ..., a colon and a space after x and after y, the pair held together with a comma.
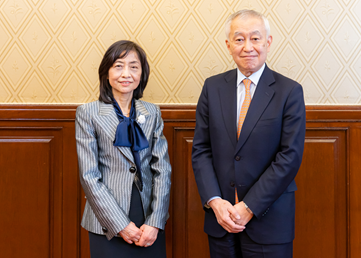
x: 131, y: 233
x: 244, y: 215
x: 149, y: 235
x: 224, y: 210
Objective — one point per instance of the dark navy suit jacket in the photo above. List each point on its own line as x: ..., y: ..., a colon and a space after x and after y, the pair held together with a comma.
x: 262, y: 164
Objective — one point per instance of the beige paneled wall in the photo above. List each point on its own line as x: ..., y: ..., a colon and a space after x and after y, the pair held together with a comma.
x: 50, y: 49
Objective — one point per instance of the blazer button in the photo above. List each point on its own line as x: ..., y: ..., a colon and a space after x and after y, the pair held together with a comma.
x: 238, y: 158
x: 132, y: 170
x: 232, y: 184
x: 105, y: 230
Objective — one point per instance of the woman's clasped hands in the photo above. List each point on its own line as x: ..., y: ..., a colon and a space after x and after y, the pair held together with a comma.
x: 143, y: 236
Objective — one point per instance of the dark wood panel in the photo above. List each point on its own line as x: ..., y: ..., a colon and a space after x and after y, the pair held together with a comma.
x: 354, y: 192
x: 197, y: 245
x: 31, y: 191
x: 26, y: 207
x: 179, y: 193
x: 321, y: 199
x: 37, y: 144
x: 188, y: 238
x: 41, y: 172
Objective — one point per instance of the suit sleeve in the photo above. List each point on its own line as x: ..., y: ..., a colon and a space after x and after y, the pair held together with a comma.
x: 203, y: 169
x: 282, y: 171
x: 102, y: 202
x: 161, y: 168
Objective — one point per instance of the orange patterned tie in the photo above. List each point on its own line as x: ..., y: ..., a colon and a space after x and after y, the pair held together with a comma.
x: 245, y: 105
x: 243, y: 113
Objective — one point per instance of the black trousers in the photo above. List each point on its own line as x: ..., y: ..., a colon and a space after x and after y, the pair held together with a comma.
x: 242, y: 246
x: 100, y: 247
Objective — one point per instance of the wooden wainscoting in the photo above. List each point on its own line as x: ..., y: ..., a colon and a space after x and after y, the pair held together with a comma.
x: 39, y: 189
x: 41, y: 199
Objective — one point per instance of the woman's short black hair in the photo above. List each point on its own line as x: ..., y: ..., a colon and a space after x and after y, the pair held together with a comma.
x: 117, y: 50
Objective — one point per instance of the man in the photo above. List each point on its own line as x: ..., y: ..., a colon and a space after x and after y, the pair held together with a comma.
x: 248, y: 147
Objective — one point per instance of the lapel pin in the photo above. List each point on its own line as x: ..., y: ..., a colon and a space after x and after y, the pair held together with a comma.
x: 141, y: 119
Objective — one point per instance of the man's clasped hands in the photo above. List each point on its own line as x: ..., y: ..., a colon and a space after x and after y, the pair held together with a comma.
x: 231, y: 218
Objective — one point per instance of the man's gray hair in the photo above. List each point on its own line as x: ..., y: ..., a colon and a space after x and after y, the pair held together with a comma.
x: 245, y: 13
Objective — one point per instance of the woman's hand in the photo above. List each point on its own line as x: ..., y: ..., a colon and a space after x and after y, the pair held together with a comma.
x: 148, y: 237
x: 131, y: 233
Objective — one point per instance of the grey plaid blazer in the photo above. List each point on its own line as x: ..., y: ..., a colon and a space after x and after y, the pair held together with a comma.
x: 104, y: 169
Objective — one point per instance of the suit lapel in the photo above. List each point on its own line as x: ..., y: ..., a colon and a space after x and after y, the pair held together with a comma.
x: 108, y: 120
x: 228, y: 98
x: 259, y: 103
x: 142, y: 111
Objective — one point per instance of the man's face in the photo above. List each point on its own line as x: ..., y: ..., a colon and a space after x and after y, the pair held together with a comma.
x: 248, y: 44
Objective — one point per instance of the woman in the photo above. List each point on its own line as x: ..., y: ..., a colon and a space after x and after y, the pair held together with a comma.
x: 123, y: 160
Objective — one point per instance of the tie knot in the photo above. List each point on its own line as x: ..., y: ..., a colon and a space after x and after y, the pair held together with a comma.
x: 247, y: 83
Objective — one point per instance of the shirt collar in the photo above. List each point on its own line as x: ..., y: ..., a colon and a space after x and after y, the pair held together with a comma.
x: 254, y: 76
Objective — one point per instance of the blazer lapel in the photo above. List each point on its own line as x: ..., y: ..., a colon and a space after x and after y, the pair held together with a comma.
x: 228, y: 100
x: 108, y: 120
x: 259, y: 103
x: 142, y: 111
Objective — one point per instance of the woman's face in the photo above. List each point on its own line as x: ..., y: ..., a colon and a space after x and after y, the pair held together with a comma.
x: 124, y: 75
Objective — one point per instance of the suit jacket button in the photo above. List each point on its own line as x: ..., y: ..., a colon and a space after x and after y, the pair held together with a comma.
x: 105, y: 230
x: 238, y: 158
x: 132, y: 170
x: 232, y: 184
